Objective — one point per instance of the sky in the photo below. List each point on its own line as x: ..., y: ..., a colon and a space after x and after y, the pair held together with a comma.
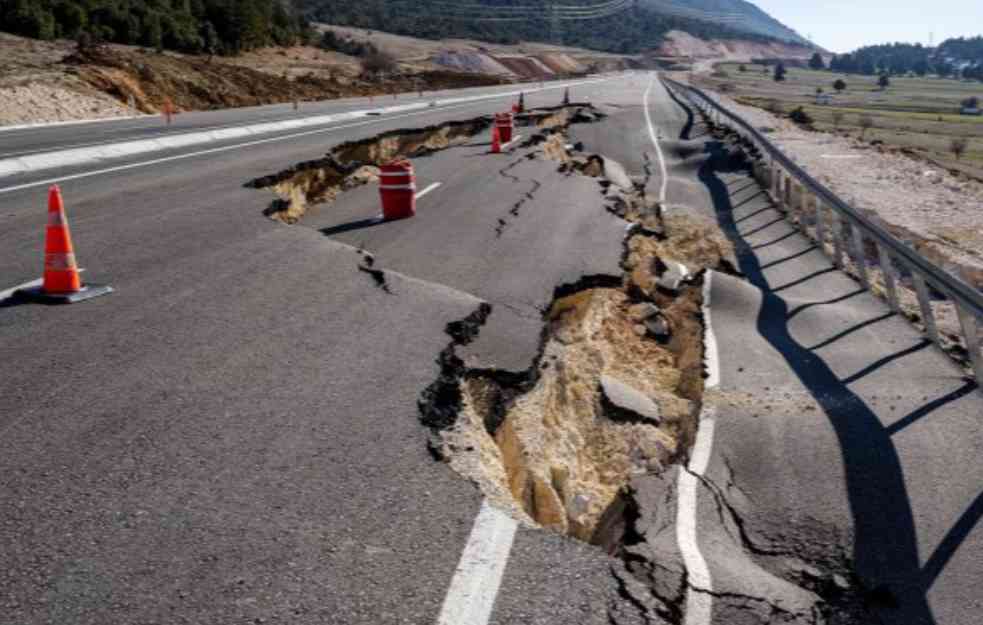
x: 843, y: 26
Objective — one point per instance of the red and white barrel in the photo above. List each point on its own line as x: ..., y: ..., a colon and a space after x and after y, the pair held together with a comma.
x: 397, y: 186
x: 505, y: 124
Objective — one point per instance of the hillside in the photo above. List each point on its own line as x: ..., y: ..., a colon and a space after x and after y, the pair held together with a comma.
x: 737, y: 15
x: 231, y: 28
x: 621, y: 26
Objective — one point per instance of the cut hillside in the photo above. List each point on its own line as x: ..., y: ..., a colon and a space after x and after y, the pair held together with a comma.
x: 55, y: 81
x: 679, y: 44
x: 521, y: 60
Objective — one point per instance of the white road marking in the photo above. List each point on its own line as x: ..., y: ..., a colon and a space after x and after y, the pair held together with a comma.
x: 655, y: 141
x: 710, y: 339
x: 514, y: 140
x: 699, y: 603
x: 430, y: 188
x: 100, y: 152
x: 473, y: 589
x: 246, y: 144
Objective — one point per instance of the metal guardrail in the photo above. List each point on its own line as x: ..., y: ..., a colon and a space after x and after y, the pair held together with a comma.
x: 891, y: 252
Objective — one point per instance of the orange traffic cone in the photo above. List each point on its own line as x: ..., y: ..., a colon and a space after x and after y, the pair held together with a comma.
x: 61, y: 283
x: 496, y: 147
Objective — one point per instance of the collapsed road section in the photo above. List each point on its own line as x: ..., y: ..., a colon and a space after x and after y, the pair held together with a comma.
x: 356, y: 163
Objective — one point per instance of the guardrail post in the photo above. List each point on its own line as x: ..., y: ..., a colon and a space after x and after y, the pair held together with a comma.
x: 859, y: 256
x: 837, y: 228
x: 971, y: 334
x: 890, y: 283
x: 925, y: 304
x: 803, y: 210
x: 820, y: 226
x: 787, y: 193
x: 775, y: 173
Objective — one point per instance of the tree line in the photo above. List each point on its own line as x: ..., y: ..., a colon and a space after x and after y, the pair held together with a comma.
x: 899, y: 59
x: 193, y: 26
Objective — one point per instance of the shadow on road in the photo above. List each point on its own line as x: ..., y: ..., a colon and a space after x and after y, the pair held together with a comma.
x: 885, y: 547
x: 352, y: 225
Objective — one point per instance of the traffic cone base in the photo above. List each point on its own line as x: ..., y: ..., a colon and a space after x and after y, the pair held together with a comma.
x: 38, y: 295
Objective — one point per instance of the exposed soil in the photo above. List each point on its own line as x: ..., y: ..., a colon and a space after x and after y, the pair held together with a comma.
x: 194, y: 83
x: 682, y: 46
x: 53, y: 81
x: 355, y: 163
x: 557, y: 445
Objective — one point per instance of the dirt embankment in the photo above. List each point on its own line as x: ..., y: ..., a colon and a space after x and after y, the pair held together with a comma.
x: 703, y: 53
x: 53, y: 81
x: 194, y: 83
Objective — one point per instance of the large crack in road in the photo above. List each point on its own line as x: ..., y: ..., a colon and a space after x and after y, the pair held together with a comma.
x: 614, y: 395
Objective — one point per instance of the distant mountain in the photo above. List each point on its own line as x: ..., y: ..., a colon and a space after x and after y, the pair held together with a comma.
x: 736, y: 15
x: 234, y: 26
x: 623, y: 26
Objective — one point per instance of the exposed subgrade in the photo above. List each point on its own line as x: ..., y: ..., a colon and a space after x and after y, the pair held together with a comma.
x: 614, y: 391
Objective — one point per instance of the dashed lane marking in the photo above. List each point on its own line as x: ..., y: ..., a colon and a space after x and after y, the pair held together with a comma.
x: 476, y: 581
x: 429, y: 188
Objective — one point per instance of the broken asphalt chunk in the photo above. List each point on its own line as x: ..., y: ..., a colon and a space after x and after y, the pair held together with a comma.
x: 628, y: 404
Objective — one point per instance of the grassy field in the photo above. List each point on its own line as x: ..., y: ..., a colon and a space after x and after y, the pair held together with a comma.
x: 918, y: 113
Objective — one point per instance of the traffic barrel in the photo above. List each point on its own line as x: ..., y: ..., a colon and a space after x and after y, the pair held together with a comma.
x: 61, y: 283
x: 504, y: 123
x: 496, y: 146
x: 397, y: 186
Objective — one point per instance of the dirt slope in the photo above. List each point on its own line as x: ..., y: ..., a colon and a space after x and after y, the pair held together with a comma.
x: 679, y: 44
x: 53, y: 81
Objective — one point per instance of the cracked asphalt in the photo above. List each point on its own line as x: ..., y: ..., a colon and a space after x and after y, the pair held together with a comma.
x: 843, y: 484
x: 233, y: 436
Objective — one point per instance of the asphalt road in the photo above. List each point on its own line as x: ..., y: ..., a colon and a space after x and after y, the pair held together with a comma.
x: 31, y: 140
x: 233, y: 435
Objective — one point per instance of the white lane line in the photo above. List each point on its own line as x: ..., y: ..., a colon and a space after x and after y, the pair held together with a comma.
x: 237, y: 146
x: 655, y: 141
x: 514, y: 140
x: 710, y: 340
x: 430, y: 188
x: 699, y: 603
x: 473, y: 589
x: 78, y: 156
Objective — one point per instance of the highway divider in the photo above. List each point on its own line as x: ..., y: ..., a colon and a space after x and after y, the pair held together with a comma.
x: 91, y: 154
x: 784, y: 173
